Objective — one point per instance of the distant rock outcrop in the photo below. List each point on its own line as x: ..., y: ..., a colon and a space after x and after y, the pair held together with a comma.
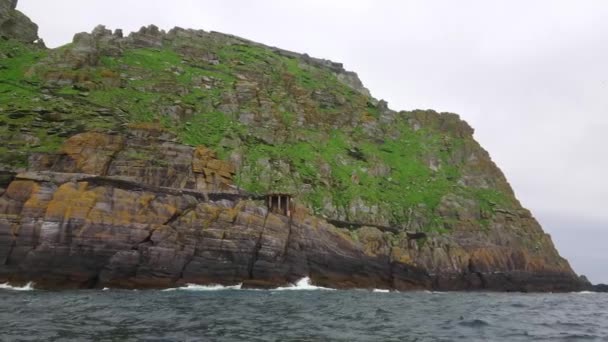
x: 15, y: 25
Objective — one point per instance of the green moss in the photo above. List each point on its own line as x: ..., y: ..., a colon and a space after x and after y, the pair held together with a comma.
x: 19, y: 59
x: 332, y: 158
x: 208, y: 129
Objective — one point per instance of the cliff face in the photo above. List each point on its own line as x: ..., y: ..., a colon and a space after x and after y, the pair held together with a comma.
x: 138, y: 161
x: 96, y: 215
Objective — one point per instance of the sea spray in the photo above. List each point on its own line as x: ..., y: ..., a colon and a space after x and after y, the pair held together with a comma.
x: 195, y: 287
x: 381, y: 290
x: 28, y: 287
x: 302, y: 284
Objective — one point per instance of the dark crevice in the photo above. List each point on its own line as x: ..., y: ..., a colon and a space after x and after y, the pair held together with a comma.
x: 147, y: 239
x: 391, y: 269
x: 287, y: 242
x: 178, y: 214
x: 256, y: 251
x: 257, y: 248
x: 356, y: 153
x: 189, y: 261
x: 194, y: 250
x: 473, y: 270
x: 181, y: 272
x: 356, y: 225
x: 6, y: 178
x: 106, y: 169
x: 484, y: 283
x: 10, y: 251
x: 92, y: 282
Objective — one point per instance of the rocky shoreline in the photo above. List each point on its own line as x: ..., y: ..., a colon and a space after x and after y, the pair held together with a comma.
x: 176, y: 240
x: 127, y: 158
x: 88, y: 223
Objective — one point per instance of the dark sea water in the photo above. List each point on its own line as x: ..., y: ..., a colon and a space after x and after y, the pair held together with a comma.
x: 207, y: 314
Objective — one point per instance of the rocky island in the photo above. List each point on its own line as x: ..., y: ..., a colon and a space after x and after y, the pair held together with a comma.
x: 145, y: 161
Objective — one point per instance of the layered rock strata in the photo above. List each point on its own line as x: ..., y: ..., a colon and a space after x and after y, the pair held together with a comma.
x: 103, y: 185
x: 87, y: 223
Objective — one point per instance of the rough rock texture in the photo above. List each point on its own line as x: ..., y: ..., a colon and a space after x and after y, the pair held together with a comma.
x: 13, y: 24
x: 147, y: 155
x: 138, y: 160
x: 89, y: 223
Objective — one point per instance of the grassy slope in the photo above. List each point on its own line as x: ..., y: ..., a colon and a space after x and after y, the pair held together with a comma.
x: 139, y: 85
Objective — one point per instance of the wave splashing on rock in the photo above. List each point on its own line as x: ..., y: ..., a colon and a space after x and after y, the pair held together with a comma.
x: 27, y: 287
x: 303, y: 284
x: 195, y: 287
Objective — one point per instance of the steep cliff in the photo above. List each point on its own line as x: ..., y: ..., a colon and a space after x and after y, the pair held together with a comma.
x: 139, y: 161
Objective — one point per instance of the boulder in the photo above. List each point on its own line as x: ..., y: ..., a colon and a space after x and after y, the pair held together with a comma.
x: 15, y: 25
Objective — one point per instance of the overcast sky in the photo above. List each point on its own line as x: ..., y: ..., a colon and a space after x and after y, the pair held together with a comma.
x: 530, y: 76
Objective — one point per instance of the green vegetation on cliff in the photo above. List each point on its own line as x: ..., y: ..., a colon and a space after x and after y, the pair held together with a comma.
x: 288, y: 122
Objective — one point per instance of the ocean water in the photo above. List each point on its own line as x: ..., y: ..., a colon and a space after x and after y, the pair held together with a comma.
x: 298, y: 313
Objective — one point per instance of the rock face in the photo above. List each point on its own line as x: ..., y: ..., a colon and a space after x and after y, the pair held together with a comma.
x: 94, y: 215
x: 141, y: 160
x: 146, y: 155
x: 13, y: 24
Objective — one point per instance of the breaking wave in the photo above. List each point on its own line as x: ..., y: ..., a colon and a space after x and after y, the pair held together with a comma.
x: 194, y: 287
x: 381, y: 290
x: 302, y: 284
x: 28, y: 287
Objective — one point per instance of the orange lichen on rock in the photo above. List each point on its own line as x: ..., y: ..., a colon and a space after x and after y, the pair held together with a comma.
x: 71, y: 201
x: 92, y: 151
x: 211, y: 172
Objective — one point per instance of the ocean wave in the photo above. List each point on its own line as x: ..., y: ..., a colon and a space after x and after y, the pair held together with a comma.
x: 585, y: 292
x: 302, y: 284
x: 28, y: 287
x: 195, y: 287
x: 381, y: 290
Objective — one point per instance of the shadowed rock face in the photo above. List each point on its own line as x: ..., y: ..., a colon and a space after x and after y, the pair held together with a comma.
x: 79, y: 220
x: 15, y: 25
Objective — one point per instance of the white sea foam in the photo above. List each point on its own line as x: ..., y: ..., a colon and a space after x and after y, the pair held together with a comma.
x: 585, y: 292
x: 381, y: 290
x: 194, y: 287
x: 105, y: 289
x: 302, y: 284
x: 28, y: 287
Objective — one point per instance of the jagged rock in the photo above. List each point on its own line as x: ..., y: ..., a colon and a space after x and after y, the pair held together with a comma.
x: 64, y: 232
x: 15, y: 25
x: 147, y: 37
